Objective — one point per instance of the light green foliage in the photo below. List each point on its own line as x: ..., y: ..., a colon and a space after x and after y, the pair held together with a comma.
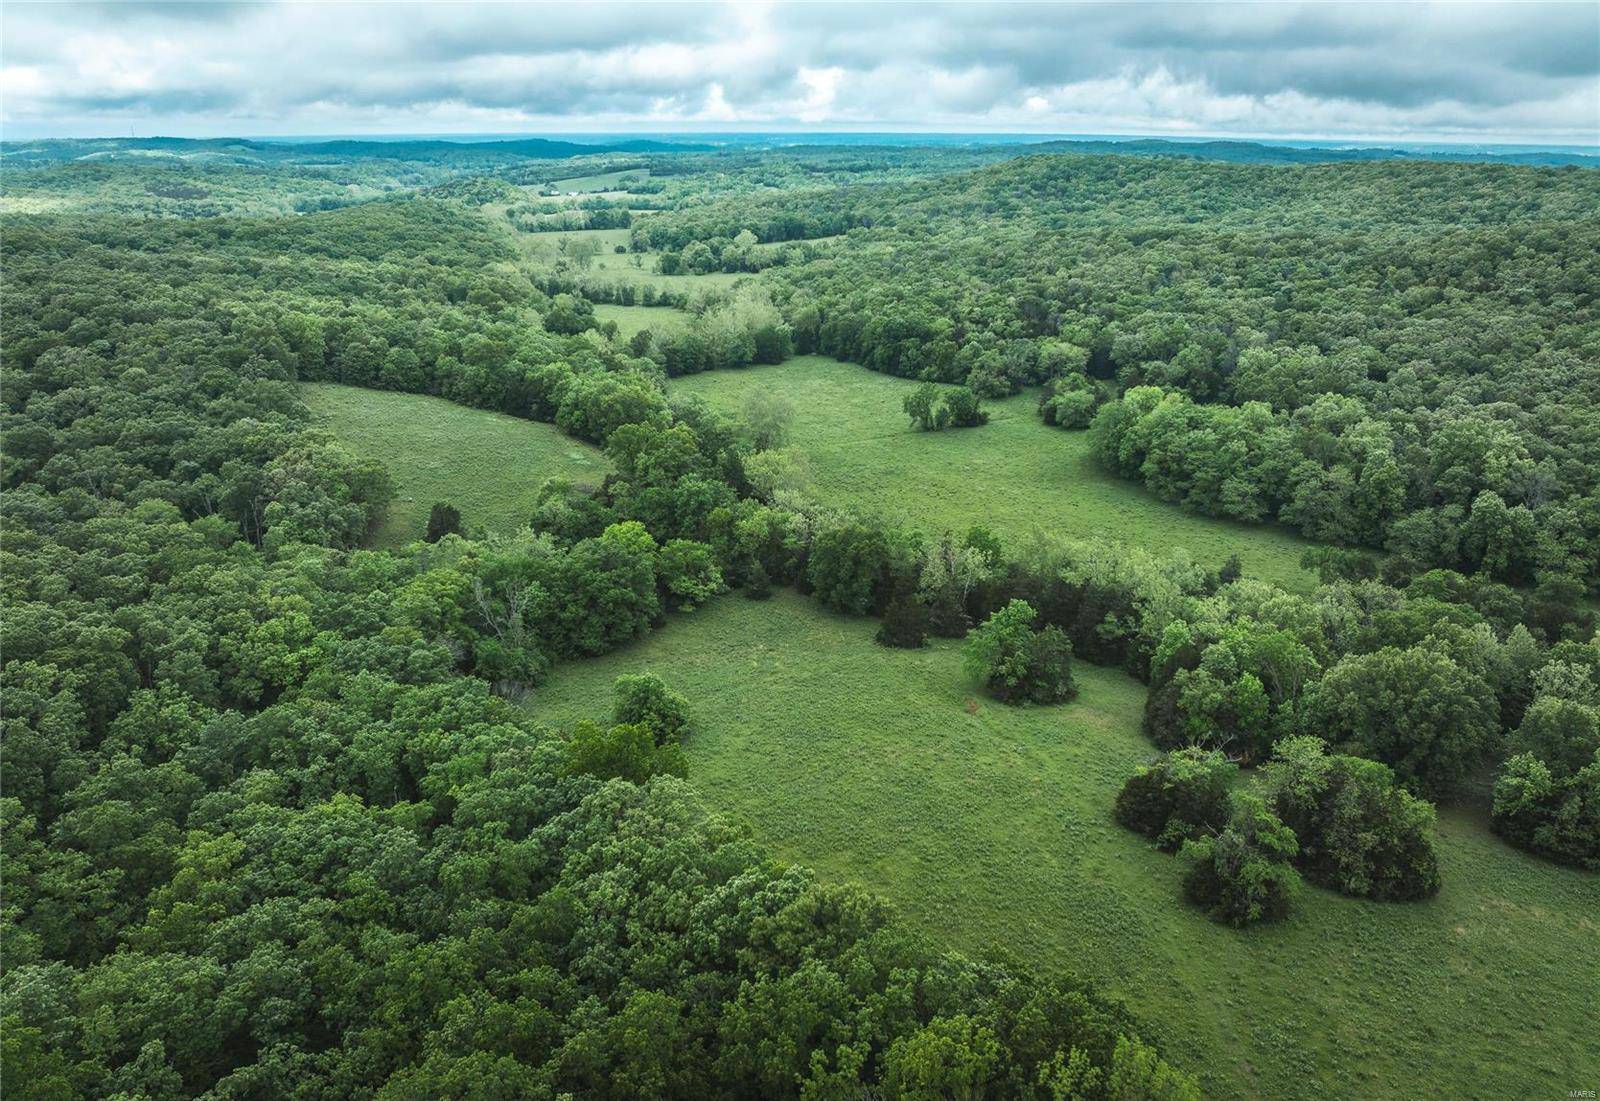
x: 488, y: 465
x: 993, y: 826
x: 1015, y: 475
x: 769, y: 417
x: 689, y: 573
x: 1016, y: 663
x: 627, y: 751
x: 952, y: 1058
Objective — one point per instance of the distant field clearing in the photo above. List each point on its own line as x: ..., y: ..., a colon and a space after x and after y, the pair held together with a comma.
x: 489, y: 466
x: 1014, y: 474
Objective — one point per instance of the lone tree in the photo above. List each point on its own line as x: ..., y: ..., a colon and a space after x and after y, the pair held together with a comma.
x: 922, y: 406
x: 645, y: 700
x: 962, y: 410
x: 1018, y: 664
x: 443, y: 520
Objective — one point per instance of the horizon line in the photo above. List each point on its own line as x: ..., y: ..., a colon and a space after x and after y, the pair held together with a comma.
x: 755, y: 131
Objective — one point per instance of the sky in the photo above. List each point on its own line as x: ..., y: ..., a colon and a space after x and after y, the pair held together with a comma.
x: 1481, y: 72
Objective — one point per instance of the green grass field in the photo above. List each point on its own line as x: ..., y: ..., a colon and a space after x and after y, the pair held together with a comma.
x: 609, y: 264
x: 603, y: 181
x: 621, y: 266
x: 488, y: 465
x: 1012, y: 474
x: 992, y: 832
x: 632, y: 319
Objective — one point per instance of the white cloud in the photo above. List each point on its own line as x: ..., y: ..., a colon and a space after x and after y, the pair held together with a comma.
x: 1480, y: 71
x: 822, y: 86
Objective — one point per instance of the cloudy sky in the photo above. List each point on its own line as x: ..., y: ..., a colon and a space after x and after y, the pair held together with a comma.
x: 1467, y: 72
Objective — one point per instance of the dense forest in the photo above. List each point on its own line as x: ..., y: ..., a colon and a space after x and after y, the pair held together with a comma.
x: 270, y: 831
x: 281, y: 817
x: 1399, y: 358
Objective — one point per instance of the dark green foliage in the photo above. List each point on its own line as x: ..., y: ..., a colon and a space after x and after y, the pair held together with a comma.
x: 1555, y: 816
x: 1415, y: 710
x: 645, y: 700
x: 1362, y: 351
x: 1018, y: 664
x: 1183, y: 795
x: 1340, y: 564
x: 757, y: 585
x: 272, y: 828
x: 443, y: 520
x: 1230, y: 571
x: 857, y: 566
x: 905, y: 624
x: 986, y: 543
x: 1241, y: 875
x: 1359, y: 832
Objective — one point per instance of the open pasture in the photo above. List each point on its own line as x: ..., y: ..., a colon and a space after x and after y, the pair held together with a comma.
x: 633, y: 319
x: 991, y: 829
x: 489, y: 466
x: 1012, y: 475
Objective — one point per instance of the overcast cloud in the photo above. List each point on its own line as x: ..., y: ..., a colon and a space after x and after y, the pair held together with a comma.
x: 1483, y: 72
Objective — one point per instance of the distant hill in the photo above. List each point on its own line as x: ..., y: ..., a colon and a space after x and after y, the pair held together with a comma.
x: 497, y: 153
x: 1249, y: 152
x: 464, y: 154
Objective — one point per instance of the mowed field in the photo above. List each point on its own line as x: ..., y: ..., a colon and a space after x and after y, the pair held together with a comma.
x: 603, y: 181
x: 992, y: 832
x: 1013, y: 474
x: 632, y: 319
x: 487, y: 465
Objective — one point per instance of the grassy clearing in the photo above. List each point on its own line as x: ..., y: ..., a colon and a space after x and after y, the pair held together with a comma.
x: 488, y: 465
x: 610, y: 264
x: 633, y: 319
x: 608, y: 239
x: 621, y: 266
x: 1013, y: 474
x: 603, y: 181
x: 992, y: 832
